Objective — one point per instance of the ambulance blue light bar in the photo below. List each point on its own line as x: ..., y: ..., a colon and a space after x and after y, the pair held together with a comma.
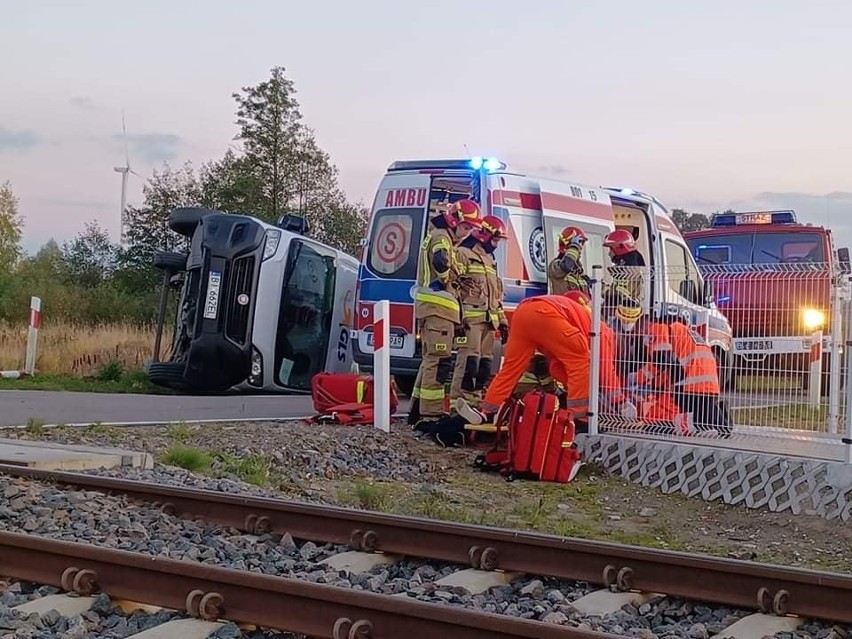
x: 754, y: 217
x: 476, y: 164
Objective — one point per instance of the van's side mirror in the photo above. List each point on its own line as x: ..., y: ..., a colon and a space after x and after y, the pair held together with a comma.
x: 294, y: 224
x: 689, y: 291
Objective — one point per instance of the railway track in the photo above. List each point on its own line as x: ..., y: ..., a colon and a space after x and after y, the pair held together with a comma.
x: 628, y: 575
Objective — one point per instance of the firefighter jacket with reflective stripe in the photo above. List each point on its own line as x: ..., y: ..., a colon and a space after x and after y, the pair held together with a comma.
x: 439, y: 270
x: 480, y: 289
x: 678, y: 357
x: 626, y: 272
x: 565, y: 272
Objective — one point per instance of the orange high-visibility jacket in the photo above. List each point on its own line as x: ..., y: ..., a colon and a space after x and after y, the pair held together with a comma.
x: 681, y: 345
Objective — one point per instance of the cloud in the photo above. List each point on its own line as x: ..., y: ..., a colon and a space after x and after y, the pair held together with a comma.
x: 17, y: 140
x: 83, y: 102
x: 151, y: 147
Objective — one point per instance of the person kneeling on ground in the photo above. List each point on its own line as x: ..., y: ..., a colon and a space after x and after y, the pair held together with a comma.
x: 555, y: 326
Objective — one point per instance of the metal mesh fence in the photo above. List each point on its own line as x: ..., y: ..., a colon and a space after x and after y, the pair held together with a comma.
x: 748, y: 356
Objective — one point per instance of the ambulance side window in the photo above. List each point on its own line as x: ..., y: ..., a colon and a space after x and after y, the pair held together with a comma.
x: 680, y: 269
x: 395, y: 243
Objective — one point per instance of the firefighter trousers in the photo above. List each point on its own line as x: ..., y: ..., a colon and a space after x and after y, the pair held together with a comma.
x: 436, y: 335
x: 474, y: 354
x: 536, y: 325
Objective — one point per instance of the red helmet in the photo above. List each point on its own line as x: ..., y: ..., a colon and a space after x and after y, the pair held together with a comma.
x: 463, y: 211
x: 493, y: 228
x: 580, y: 297
x: 571, y: 236
x: 620, y: 241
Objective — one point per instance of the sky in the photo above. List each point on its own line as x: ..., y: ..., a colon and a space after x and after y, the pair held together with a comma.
x: 707, y: 105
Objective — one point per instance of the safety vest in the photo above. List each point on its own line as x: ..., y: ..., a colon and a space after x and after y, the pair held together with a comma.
x: 687, y: 349
x: 437, y: 303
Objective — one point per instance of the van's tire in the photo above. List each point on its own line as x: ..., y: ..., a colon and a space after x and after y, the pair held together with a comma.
x: 184, y: 221
x: 169, y: 261
x: 167, y: 374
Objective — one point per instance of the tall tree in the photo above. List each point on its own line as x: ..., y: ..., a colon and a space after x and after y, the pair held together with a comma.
x: 685, y: 221
x: 91, y: 257
x: 11, y: 228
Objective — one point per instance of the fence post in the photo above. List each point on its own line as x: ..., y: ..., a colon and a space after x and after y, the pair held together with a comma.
x: 847, y: 351
x: 32, y: 335
x: 834, y: 371
x: 596, y: 289
x: 815, y: 369
x: 381, y: 365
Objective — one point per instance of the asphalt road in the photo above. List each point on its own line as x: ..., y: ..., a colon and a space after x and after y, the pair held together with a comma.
x: 55, y: 407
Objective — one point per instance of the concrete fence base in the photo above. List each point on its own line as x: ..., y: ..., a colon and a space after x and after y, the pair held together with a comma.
x: 801, y: 486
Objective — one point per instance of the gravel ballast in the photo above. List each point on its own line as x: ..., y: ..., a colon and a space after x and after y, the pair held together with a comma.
x: 90, y: 516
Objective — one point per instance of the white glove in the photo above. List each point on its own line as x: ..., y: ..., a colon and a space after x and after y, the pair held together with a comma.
x: 628, y: 410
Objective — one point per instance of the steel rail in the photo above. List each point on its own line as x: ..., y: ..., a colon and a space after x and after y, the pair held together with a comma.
x: 768, y: 588
x: 290, y: 605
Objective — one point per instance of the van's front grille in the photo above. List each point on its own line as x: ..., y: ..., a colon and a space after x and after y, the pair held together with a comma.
x: 239, y: 283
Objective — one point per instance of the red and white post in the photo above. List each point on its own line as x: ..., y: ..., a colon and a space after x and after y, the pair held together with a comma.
x: 32, y: 335
x: 815, y: 369
x: 32, y: 343
x: 381, y: 365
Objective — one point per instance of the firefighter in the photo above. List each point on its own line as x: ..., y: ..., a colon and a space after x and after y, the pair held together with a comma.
x: 481, y: 297
x: 625, y: 258
x: 558, y: 328
x: 437, y: 308
x: 565, y: 271
x: 680, y: 359
x: 612, y: 396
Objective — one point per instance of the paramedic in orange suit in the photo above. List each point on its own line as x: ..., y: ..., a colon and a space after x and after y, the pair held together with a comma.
x: 558, y: 328
x: 611, y: 393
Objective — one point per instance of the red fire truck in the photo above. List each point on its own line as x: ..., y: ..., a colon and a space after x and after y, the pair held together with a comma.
x: 774, y: 279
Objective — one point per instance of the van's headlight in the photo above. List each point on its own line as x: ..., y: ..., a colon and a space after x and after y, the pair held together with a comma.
x: 256, y: 375
x: 273, y: 237
x: 813, y: 318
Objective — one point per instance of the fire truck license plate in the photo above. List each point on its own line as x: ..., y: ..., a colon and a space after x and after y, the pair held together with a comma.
x: 211, y: 305
x: 755, y: 345
x: 396, y: 341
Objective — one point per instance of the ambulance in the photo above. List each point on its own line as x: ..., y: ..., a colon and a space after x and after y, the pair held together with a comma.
x: 535, y: 211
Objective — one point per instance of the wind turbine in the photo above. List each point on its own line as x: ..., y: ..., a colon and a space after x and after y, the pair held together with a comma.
x: 124, y: 170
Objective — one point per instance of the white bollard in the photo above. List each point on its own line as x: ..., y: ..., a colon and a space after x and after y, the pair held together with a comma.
x: 381, y: 365
x: 815, y: 371
x: 32, y: 335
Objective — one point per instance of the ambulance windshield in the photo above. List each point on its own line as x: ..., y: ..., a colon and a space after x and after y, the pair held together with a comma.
x: 759, y: 248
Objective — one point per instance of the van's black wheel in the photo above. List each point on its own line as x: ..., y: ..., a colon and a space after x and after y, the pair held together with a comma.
x: 510, y: 477
x: 169, y: 261
x: 479, y: 461
x: 168, y: 374
x: 184, y: 220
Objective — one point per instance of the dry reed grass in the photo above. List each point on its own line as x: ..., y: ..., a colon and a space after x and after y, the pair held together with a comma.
x: 68, y: 349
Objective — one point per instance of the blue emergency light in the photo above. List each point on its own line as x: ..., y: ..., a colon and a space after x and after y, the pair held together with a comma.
x: 489, y: 165
x: 754, y: 217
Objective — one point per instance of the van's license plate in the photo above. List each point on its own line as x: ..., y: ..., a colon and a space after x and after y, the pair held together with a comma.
x: 211, y: 306
x: 396, y: 340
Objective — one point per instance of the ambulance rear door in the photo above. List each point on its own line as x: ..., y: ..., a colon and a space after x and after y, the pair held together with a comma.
x: 589, y: 208
x: 389, y: 267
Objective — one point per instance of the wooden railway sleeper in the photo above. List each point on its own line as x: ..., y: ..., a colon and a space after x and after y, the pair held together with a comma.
x: 345, y: 629
x: 82, y: 582
x: 778, y: 604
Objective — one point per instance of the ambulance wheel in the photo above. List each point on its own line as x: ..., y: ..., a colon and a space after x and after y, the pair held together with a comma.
x: 479, y: 461
x: 510, y: 477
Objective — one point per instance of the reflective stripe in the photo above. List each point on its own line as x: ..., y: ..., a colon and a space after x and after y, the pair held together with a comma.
x: 434, y: 297
x: 415, y: 394
x: 661, y: 348
x: 697, y: 355
x: 432, y: 395
x: 359, y: 392
x: 583, y: 401
x: 698, y: 379
x: 474, y: 314
x: 479, y: 269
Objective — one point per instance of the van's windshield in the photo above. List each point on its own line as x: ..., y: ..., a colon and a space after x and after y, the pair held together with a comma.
x: 759, y: 248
